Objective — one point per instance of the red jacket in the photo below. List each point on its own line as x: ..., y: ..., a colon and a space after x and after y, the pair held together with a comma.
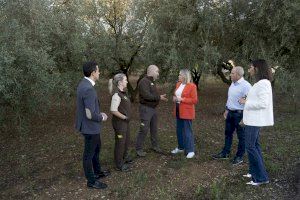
x: 189, y: 100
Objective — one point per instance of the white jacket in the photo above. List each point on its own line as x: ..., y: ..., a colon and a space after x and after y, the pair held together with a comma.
x: 258, y: 110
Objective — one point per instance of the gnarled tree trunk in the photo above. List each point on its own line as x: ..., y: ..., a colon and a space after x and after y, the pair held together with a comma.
x: 222, y: 66
x: 196, y: 75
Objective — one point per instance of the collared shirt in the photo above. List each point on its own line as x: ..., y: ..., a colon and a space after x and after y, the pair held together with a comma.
x: 236, y: 91
x: 115, y: 102
x: 92, y: 82
x: 120, y: 103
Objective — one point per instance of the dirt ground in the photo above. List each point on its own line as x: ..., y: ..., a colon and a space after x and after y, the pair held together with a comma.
x: 46, y: 161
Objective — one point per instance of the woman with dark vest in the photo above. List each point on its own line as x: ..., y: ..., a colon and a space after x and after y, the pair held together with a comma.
x: 185, y: 98
x: 121, y: 111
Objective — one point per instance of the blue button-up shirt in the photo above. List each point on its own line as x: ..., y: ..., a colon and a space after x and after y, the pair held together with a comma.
x: 236, y: 91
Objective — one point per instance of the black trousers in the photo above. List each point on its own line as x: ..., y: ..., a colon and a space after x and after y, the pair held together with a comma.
x: 91, y: 163
x: 122, y: 139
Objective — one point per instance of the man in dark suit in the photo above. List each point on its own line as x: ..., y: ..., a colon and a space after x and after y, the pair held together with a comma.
x: 88, y: 123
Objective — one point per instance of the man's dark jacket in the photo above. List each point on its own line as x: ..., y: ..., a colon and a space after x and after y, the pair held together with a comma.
x: 148, y: 93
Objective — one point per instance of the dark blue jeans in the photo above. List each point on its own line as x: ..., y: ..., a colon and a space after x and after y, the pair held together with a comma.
x: 185, y: 135
x: 232, y: 123
x: 256, y: 164
x: 184, y: 131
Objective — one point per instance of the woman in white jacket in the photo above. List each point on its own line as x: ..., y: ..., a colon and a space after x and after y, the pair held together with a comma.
x: 258, y: 112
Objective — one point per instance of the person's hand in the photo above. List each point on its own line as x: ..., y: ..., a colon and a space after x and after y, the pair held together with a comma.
x: 242, y: 123
x: 163, y: 97
x: 126, y: 118
x: 174, y: 98
x: 242, y: 100
x: 179, y: 99
x: 104, y: 117
x: 225, y: 114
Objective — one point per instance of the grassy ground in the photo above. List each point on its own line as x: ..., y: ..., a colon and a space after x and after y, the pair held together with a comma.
x: 45, y: 163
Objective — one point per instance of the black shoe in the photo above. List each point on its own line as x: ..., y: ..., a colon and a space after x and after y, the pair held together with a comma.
x: 128, y: 160
x: 102, y: 174
x: 237, y: 161
x: 123, y: 168
x: 220, y: 156
x: 141, y: 153
x: 157, y: 149
x: 97, y: 185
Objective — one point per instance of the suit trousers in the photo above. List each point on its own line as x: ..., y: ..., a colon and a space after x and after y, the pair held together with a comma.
x: 231, y: 124
x: 91, y: 163
x: 148, y: 117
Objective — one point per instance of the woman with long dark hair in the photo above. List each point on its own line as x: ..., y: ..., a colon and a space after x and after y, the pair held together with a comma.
x: 258, y: 112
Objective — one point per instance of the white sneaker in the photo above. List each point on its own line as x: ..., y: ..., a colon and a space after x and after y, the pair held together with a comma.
x: 190, y: 155
x: 257, y: 184
x: 247, y: 175
x: 176, y: 150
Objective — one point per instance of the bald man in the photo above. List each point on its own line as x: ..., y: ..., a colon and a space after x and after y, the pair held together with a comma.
x: 149, y: 99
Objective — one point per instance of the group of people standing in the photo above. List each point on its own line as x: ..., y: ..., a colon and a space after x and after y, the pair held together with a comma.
x: 247, y: 109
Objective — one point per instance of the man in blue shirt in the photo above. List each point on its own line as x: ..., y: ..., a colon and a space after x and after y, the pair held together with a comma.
x: 233, y: 115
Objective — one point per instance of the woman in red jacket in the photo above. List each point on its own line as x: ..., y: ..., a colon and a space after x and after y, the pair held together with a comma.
x: 185, y: 98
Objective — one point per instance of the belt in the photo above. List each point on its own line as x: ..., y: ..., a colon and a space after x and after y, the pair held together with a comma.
x: 236, y: 111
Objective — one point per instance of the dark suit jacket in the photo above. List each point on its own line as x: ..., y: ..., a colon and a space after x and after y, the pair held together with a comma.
x: 87, y: 98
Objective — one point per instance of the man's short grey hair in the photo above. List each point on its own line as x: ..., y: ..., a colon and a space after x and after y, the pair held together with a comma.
x: 239, y: 71
x: 187, y: 75
x: 151, y: 68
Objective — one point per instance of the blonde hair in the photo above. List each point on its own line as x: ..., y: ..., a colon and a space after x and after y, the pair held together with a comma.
x: 113, y: 82
x: 187, y: 75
